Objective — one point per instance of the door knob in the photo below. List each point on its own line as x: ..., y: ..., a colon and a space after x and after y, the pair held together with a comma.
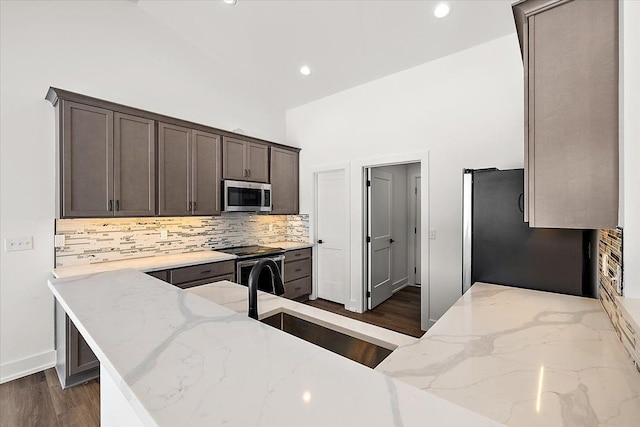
x: 391, y: 240
x: 320, y: 242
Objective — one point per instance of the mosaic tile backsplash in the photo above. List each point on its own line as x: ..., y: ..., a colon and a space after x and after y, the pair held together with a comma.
x: 89, y: 241
x: 611, y: 288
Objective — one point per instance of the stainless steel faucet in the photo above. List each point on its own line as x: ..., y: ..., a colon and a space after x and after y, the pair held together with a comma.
x: 277, y: 287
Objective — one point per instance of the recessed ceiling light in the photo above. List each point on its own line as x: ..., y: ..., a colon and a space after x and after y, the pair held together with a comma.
x: 305, y: 70
x: 231, y: 2
x: 441, y: 10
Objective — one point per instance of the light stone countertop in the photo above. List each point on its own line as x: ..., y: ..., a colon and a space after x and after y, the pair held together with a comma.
x: 525, y: 358
x: 180, y: 359
x: 146, y: 264
x: 289, y: 246
x: 235, y: 297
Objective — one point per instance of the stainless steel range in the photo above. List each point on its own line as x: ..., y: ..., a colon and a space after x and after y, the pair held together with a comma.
x: 248, y: 256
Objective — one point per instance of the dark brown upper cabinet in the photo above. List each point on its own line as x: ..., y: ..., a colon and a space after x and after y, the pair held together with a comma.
x: 134, y: 151
x: 189, y: 171
x: 284, y: 181
x: 107, y: 163
x: 122, y: 161
x: 245, y: 160
x: 570, y: 55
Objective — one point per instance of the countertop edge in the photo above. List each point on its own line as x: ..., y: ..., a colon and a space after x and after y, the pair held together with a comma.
x: 81, y: 270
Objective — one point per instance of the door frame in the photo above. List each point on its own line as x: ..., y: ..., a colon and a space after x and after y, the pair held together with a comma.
x: 413, y: 222
x: 357, y: 300
x: 313, y: 219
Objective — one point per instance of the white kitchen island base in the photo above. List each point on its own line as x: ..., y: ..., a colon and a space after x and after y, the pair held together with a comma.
x: 115, y: 409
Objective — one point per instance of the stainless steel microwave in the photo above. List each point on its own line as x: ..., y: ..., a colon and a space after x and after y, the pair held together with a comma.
x: 240, y: 196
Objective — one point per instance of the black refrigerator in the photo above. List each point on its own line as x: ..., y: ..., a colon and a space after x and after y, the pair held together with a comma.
x: 500, y: 248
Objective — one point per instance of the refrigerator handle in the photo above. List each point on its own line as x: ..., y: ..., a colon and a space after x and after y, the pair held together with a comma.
x: 521, y: 202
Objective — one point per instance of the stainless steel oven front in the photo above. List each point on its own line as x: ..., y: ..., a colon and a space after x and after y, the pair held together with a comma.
x: 243, y: 268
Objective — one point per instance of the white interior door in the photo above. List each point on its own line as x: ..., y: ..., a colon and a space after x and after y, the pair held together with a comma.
x: 332, y: 235
x: 379, y: 224
x: 418, y: 233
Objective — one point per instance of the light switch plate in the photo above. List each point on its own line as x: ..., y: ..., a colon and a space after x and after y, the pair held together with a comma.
x: 18, y: 244
x: 164, y: 234
x: 432, y: 233
x: 59, y: 240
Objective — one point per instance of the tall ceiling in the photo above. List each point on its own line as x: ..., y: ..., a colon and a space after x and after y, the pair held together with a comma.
x: 261, y: 44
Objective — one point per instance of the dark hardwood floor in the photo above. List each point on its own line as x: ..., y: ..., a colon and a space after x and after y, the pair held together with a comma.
x: 400, y: 313
x: 38, y: 400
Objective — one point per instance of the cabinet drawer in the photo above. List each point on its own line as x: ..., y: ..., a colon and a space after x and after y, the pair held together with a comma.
x: 230, y: 277
x: 297, y: 254
x: 162, y: 275
x: 297, y: 288
x: 202, y: 271
x: 296, y: 269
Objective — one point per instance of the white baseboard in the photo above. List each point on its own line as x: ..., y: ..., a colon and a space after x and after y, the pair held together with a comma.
x: 400, y: 285
x: 29, y: 365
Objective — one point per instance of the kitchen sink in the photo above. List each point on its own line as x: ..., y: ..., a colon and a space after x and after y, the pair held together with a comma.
x: 358, y: 350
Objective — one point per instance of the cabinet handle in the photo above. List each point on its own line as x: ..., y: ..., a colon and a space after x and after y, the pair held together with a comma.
x: 110, y: 206
x: 298, y: 255
x: 298, y: 269
x: 391, y: 240
x: 117, y: 205
x: 298, y: 288
x: 245, y: 173
x: 195, y: 206
x: 249, y: 173
x: 190, y: 206
x: 205, y: 272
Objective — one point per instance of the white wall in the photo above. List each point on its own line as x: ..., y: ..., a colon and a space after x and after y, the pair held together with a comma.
x: 631, y: 148
x: 466, y: 110
x: 111, y: 50
x: 399, y: 225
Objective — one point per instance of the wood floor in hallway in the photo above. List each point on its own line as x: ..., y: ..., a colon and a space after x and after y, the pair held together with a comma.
x: 400, y: 313
x: 38, y: 400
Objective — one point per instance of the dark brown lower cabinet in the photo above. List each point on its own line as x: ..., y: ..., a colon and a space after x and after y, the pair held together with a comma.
x: 298, y: 267
x: 196, y: 275
x: 76, y: 363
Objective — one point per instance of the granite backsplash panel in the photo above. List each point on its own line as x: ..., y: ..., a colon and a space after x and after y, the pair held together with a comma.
x: 89, y: 241
x: 611, y: 289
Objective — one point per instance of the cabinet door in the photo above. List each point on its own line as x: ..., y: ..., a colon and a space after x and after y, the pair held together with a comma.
x: 234, y: 165
x: 134, y: 167
x: 206, y: 173
x: 81, y: 357
x: 87, y: 161
x: 174, y: 169
x: 572, y: 88
x: 258, y: 162
x: 284, y: 181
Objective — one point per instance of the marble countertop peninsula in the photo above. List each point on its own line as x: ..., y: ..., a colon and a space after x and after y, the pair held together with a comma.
x: 525, y: 358
x: 180, y: 359
x: 146, y: 264
x: 289, y: 246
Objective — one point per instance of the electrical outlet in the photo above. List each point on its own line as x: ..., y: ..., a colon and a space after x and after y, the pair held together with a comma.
x: 432, y: 233
x: 164, y: 234
x: 18, y: 244
x: 59, y: 241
